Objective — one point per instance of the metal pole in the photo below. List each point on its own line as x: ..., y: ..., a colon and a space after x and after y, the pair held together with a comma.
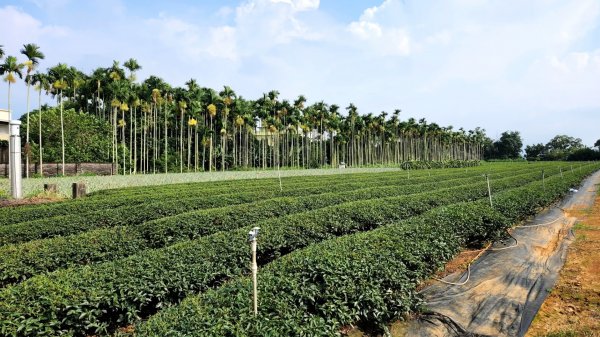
x: 561, y: 174
x: 543, y: 180
x: 254, y: 278
x: 16, y: 183
x: 279, y: 175
x: 487, y: 178
x: 252, y: 239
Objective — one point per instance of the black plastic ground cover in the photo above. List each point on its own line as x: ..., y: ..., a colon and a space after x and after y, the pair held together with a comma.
x: 509, y: 282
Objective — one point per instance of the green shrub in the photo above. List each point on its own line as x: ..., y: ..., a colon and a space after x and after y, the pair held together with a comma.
x: 93, y: 299
x: 369, y: 276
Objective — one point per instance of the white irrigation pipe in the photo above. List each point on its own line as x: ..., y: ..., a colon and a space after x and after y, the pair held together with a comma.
x: 457, y: 284
x: 468, y: 270
x: 504, y: 248
x: 495, y: 250
x: 542, y: 224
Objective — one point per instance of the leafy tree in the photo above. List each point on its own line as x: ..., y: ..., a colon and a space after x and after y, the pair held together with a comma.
x: 584, y: 154
x: 535, y: 152
x: 559, y: 147
x: 508, y: 146
x: 597, y: 144
x: 88, y: 137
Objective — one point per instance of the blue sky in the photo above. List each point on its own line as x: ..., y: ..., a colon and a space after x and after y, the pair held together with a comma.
x: 531, y: 66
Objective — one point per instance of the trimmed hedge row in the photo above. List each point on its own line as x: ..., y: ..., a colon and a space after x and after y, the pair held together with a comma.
x: 131, y: 215
x: 136, y: 214
x: 21, y: 261
x: 368, y: 276
x: 95, y: 298
x: 129, y: 197
x: 334, y: 175
x: 428, y: 164
x: 13, y: 215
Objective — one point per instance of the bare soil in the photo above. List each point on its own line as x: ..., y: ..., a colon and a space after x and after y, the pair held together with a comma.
x: 41, y: 198
x: 573, y: 306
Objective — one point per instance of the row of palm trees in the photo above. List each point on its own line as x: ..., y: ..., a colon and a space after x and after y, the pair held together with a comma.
x: 12, y: 68
x: 160, y: 128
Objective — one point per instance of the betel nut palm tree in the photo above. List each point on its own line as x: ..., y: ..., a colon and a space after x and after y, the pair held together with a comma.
x: 34, y: 55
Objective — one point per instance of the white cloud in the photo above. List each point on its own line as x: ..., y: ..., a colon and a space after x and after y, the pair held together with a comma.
x: 376, y: 33
x: 24, y: 28
x: 366, y: 30
x: 223, y: 43
x: 496, y: 64
x: 562, y: 82
x: 50, y: 4
x: 300, y: 5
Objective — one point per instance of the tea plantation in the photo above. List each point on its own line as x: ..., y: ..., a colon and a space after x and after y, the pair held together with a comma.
x: 333, y: 250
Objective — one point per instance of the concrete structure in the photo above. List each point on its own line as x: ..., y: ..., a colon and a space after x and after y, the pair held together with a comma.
x: 15, y: 174
x: 4, y: 121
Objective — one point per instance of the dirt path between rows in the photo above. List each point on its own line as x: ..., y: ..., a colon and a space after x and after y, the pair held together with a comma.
x: 573, y: 306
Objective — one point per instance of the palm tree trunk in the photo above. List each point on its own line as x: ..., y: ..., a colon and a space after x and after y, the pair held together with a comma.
x: 189, y: 154
x: 27, y: 137
x: 62, y: 133
x: 41, y: 149
x: 196, y: 148
x: 135, y: 141
x: 130, y: 140
x: 154, y: 139
x: 166, y: 144
x: 210, y: 151
x: 181, y: 142
x: 123, y: 139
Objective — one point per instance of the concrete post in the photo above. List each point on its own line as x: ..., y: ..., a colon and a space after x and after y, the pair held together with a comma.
x: 15, y: 170
x: 79, y: 190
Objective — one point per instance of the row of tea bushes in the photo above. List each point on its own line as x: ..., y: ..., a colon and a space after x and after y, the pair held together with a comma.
x: 368, y: 276
x: 21, y: 261
x: 94, y: 299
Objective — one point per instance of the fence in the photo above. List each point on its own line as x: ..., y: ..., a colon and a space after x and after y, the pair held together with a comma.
x: 55, y: 169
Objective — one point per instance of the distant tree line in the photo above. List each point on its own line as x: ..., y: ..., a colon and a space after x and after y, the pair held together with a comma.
x: 155, y: 127
x: 508, y: 146
x: 563, y: 147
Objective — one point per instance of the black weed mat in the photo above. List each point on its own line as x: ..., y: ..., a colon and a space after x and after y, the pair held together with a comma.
x: 507, y: 285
